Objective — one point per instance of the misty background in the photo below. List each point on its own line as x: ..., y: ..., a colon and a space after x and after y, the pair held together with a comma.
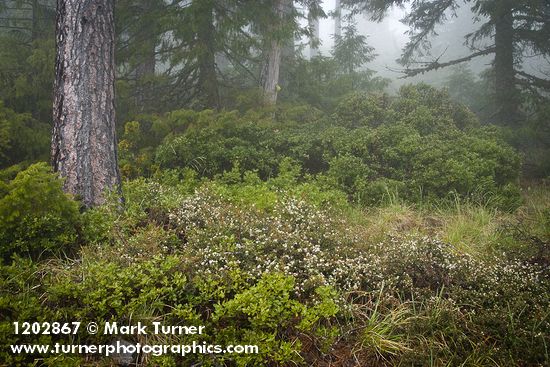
x: 389, y: 36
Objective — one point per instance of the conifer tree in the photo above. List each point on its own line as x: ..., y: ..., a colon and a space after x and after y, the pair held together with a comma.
x: 511, y: 30
x: 83, y: 139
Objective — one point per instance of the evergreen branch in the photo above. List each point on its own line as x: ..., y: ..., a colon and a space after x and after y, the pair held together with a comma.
x: 533, y: 80
x: 435, y: 64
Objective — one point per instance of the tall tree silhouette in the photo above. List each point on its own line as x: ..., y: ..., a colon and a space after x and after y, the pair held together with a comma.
x: 511, y: 30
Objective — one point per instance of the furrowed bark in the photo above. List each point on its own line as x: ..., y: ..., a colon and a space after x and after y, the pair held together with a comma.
x: 83, y: 140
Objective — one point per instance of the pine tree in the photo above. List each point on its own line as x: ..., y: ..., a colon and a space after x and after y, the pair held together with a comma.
x: 141, y: 25
x: 511, y: 30
x: 83, y: 139
x: 351, y: 50
x: 26, y: 56
x: 202, y: 39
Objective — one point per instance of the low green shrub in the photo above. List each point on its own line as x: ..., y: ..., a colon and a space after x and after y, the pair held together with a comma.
x: 20, y: 301
x: 36, y: 217
x: 420, y: 143
x: 22, y: 138
x: 293, y: 278
x: 233, y: 308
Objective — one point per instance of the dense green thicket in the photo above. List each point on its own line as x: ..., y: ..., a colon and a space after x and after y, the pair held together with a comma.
x: 22, y: 138
x: 316, y: 236
x: 36, y: 217
x: 279, y: 264
x: 531, y: 138
x: 419, y: 144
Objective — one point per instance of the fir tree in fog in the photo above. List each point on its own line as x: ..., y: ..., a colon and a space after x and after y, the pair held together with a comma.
x: 510, y: 31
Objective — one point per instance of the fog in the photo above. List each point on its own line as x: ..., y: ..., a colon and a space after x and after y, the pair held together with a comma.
x: 390, y: 36
x: 387, y: 37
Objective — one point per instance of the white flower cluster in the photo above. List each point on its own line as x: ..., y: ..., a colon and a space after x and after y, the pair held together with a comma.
x: 295, y: 238
x: 302, y: 241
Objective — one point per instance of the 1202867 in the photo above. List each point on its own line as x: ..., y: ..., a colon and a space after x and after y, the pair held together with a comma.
x: 46, y: 328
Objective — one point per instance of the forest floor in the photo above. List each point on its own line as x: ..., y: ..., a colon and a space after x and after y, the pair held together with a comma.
x: 449, y: 284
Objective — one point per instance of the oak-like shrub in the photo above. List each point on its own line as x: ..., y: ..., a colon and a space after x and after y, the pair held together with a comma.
x: 419, y: 143
x: 36, y: 217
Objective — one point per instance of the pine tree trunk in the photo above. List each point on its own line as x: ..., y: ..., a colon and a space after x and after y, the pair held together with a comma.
x: 208, y: 78
x: 314, y: 39
x: 288, y: 53
x: 337, y: 19
x: 271, y: 82
x: 83, y: 139
x: 506, y: 93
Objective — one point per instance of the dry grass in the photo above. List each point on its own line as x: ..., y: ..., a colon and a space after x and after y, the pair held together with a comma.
x: 479, y: 230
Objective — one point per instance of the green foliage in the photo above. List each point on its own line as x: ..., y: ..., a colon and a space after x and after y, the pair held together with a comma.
x: 428, y: 147
x: 36, y: 216
x: 27, y: 69
x: 350, y: 174
x: 22, y: 138
x: 470, y: 90
x: 435, y: 105
x: 264, y: 313
x: 114, y: 292
x: 20, y: 301
x: 272, y: 315
x: 216, y: 141
x: 431, y: 147
x: 420, y: 143
x: 146, y: 201
x: 351, y: 50
x: 358, y: 110
x: 533, y: 140
x: 268, y: 310
x: 322, y: 82
x: 302, y: 283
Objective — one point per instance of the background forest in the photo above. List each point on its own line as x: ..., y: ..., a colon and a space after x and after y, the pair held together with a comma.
x: 288, y: 196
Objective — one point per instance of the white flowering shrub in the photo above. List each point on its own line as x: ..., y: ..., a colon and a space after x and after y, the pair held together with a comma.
x: 295, y: 238
x: 505, y: 301
x: 319, y: 249
x: 487, y: 296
